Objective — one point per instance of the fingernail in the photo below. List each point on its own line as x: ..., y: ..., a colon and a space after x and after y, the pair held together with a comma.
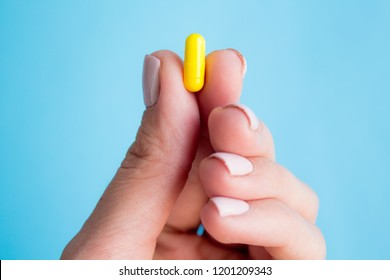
x: 253, y: 120
x: 236, y: 165
x: 151, y: 80
x: 243, y: 61
x: 229, y: 206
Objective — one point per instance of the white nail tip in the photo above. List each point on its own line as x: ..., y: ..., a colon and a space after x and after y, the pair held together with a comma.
x: 229, y: 206
x: 253, y: 120
x: 237, y: 165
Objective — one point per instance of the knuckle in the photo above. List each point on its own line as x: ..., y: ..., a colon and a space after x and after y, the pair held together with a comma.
x: 153, y: 148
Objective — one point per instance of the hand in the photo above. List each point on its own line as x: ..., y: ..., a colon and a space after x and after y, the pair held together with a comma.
x: 161, y: 192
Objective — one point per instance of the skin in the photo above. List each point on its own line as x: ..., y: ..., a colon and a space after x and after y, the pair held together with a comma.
x: 160, y: 194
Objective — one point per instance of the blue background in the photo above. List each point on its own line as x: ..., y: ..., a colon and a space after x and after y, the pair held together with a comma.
x: 71, y: 102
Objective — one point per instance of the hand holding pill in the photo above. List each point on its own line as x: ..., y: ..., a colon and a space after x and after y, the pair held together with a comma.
x: 200, y: 158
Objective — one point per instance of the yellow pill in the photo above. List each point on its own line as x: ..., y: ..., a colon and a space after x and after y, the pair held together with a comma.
x: 194, y: 62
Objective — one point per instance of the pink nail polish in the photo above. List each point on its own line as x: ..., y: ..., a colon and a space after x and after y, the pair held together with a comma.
x: 229, y: 206
x: 236, y: 165
x: 151, y: 80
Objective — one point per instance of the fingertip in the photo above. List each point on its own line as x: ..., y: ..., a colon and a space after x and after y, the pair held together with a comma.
x: 167, y: 55
x: 213, y: 175
x: 220, y: 217
x: 243, y: 61
x: 171, y: 78
x: 231, y: 56
x: 213, y: 223
x: 175, y: 110
x: 253, y: 121
x: 234, y: 128
x: 223, y: 81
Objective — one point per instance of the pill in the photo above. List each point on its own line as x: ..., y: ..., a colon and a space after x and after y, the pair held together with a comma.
x: 194, y: 62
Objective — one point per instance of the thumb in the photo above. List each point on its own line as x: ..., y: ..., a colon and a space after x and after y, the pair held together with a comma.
x: 134, y: 208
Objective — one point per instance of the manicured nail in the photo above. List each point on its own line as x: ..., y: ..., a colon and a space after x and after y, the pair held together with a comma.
x: 151, y: 80
x: 243, y: 61
x: 236, y: 165
x: 229, y: 206
x: 253, y: 120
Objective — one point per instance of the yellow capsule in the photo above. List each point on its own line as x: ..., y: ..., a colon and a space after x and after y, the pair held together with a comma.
x: 194, y: 62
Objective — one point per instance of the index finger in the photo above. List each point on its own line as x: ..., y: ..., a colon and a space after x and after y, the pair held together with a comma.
x: 225, y: 70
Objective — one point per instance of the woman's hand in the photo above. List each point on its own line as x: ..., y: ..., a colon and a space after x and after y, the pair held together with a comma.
x: 190, y: 148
